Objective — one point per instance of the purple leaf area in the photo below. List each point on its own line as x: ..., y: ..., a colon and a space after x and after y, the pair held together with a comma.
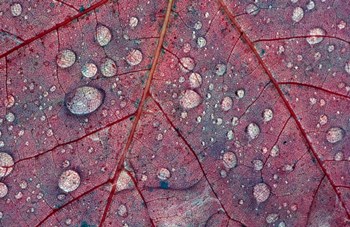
x: 175, y: 113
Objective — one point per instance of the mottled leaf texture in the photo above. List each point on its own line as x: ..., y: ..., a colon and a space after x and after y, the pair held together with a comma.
x: 175, y: 113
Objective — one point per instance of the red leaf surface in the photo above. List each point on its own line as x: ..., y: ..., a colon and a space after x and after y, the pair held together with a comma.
x: 175, y: 113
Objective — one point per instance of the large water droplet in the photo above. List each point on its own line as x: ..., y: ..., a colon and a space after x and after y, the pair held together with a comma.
x: 253, y: 130
x: 261, y: 192
x: 16, y: 9
x: 69, y: 181
x: 190, y: 99
x: 314, y: 33
x: 84, y: 100
x: 108, y: 67
x: 134, y: 57
x: 298, y: 14
x: 65, y: 58
x: 195, y: 80
x: 6, y: 164
x: 335, y: 134
x: 103, y: 35
x: 89, y: 70
x: 226, y: 103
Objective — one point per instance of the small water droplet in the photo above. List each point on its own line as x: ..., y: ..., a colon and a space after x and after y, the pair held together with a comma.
x: 347, y: 67
x: 195, y: 80
x: 10, y: 117
x: 186, y: 64
x: 103, y: 35
x: 253, y: 130
x: 84, y: 100
x: 335, y: 134
x: 339, y: 156
x: 163, y: 174
x: 65, y: 58
x: 9, y: 101
x: 134, y: 57
x: 252, y: 9
x: 267, y: 115
x: 220, y: 69
x: 261, y: 192
x: 313, y: 33
x: 108, y: 67
x: 201, y: 42
x: 240, y: 93
x: 323, y: 119
x: 230, y: 135
x: 230, y: 160
x: 190, y: 99
x: 69, y: 181
x: 3, y: 190
x: 271, y: 218
x: 275, y: 151
x: 258, y: 164
x: 89, y: 70
x: 298, y: 14
x: 6, y: 164
x: 226, y: 103
x: 198, y: 25
x: 234, y: 121
x: 16, y: 9
x: 133, y: 22
x: 122, y: 211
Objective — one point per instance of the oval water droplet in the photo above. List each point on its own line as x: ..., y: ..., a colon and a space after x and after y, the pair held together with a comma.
x: 252, y: 9
x: 65, y: 58
x: 315, y: 33
x: 261, y: 192
x: 134, y: 57
x: 226, y: 103
x: 16, y: 9
x: 89, y: 70
x: 253, y: 130
x: 220, y: 69
x: 186, y: 64
x: 122, y: 211
x: 190, y: 99
x: 298, y: 14
x: 271, y: 218
x: 267, y: 115
x: 230, y: 160
x: 133, y: 22
x: 108, y: 67
x: 103, y: 35
x: 335, y: 134
x: 6, y: 164
x: 258, y: 164
x: 3, y: 190
x: 201, y: 42
x: 240, y: 93
x: 347, y: 67
x: 84, y: 100
x: 195, y: 80
x: 69, y: 181
x: 163, y: 174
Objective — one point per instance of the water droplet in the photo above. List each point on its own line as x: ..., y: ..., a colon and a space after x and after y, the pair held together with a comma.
x: 84, y: 100
x: 198, y: 25
x: 220, y: 69
x: 6, y: 164
x: 310, y: 5
x: 339, y: 156
x: 122, y: 211
x: 275, y: 151
x: 16, y: 9
x: 103, y: 35
x: 9, y: 101
x: 240, y: 93
x: 252, y: 9
x: 23, y: 184
x: 201, y: 42
x: 68, y: 221
x: 10, y: 117
x: 190, y: 99
x: 163, y: 174
x: 261, y: 192
x: 89, y: 70
x: 108, y: 67
x: 271, y: 218
x: 335, y: 134
x: 298, y: 14
x: 230, y: 135
x: 230, y: 160
x: 258, y: 164
x: 3, y: 190
x: 133, y: 22
x: 65, y: 58
x: 323, y: 119
x: 195, y: 80
x: 69, y: 181
x: 347, y: 67
x: 253, y: 130
x: 124, y: 181
x: 315, y: 32
x: 134, y: 57
x: 267, y: 115
x: 226, y: 103
x: 186, y: 64
x: 234, y: 121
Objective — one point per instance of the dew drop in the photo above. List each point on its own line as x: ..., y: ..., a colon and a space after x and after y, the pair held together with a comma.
x: 258, y: 164
x: 186, y: 64
x: 323, y: 119
x: 271, y: 218
x: 124, y: 181
x: 234, y: 121
x: 10, y: 117
x: 89, y: 70
x: 9, y: 101
x: 347, y: 67
x: 163, y: 174
x: 315, y: 32
x: 195, y: 80
x: 3, y: 190
x: 69, y: 181
x: 108, y: 67
x: 275, y: 151
x: 261, y: 192
x: 220, y: 69
x: 103, y: 35
x: 122, y: 211
x: 16, y: 9
x: 252, y: 9
x: 310, y: 5
x: 201, y: 42
x: 84, y: 100
x: 198, y: 25
x: 226, y: 103
x: 253, y: 130
x: 190, y: 99
x: 335, y: 134
x: 134, y: 57
x: 65, y: 58
x: 230, y: 135
x: 339, y: 156
x: 267, y: 115
x: 230, y: 160
x: 298, y: 14
x: 133, y: 22
x: 6, y: 164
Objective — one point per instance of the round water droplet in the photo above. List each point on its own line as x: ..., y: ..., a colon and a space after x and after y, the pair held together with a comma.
x: 122, y: 211
x: 190, y: 99
x: 16, y: 9
x: 271, y: 218
x: 323, y: 119
x: 186, y: 64
x: 267, y: 115
x: 108, y: 68
x: 84, y: 100
x: 313, y: 33
x: 69, y: 181
x: 298, y: 14
x: 133, y: 22
x: 163, y: 174
x: 103, y: 35
x: 89, y: 70
x: 253, y: 130
x: 261, y: 192
x: 134, y: 57
x: 347, y: 67
x: 240, y: 93
x: 335, y: 134
x: 252, y: 9
x: 3, y: 190
x: 220, y: 69
x: 6, y: 164
x: 201, y: 42
x: 10, y: 117
x: 195, y: 80
x: 339, y: 156
x: 9, y: 101
x: 258, y: 165
x: 65, y: 58
x: 226, y: 103
x: 275, y: 151
x: 230, y: 160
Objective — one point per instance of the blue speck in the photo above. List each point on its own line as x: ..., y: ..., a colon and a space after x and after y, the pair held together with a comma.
x: 164, y: 185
